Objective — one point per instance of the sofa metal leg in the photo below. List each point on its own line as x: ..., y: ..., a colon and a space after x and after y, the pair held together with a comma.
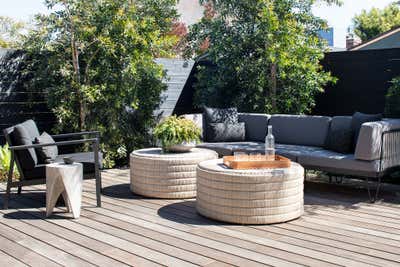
x: 330, y: 178
x: 97, y: 174
x: 373, y: 198
x: 19, y: 190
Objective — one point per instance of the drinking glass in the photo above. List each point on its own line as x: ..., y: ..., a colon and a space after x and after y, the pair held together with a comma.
x: 240, y: 156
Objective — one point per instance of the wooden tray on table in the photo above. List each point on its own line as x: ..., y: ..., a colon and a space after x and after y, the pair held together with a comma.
x: 242, y: 164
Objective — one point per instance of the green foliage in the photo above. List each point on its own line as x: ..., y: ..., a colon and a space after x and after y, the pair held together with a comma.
x: 96, y: 60
x: 371, y: 23
x: 176, y: 130
x: 5, y: 160
x: 392, y: 106
x: 10, y: 32
x: 265, y: 53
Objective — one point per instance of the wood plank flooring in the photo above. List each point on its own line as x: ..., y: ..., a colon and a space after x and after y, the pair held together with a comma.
x: 339, y: 228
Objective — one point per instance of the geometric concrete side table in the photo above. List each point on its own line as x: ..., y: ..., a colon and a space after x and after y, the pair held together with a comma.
x: 66, y: 180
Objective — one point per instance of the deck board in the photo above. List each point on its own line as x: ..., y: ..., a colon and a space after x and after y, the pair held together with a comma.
x: 339, y: 228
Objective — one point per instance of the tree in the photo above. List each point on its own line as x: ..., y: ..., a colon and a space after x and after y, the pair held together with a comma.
x: 96, y: 59
x: 265, y: 55
x: 10, y: 32
x: 371, y: 23
x: 392, y: 105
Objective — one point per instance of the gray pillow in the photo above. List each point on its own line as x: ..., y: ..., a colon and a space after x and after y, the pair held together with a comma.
x: 21, y: 137
x: 357, y: 121
x: 218, y: 115
x: 340, y: 140
x: 225, y: 132
x: 48, y: 153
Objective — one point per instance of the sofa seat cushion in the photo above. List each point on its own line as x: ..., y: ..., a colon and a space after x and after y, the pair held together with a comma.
x: 300, y: 129
x: 293, y: 152
x: 86, y: 158
x: 339, y: 163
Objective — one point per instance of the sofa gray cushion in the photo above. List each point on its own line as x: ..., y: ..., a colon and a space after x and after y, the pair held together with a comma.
x: 358, y: 120
x: 256, y: 126
x: 340, y: 135
x: 48, y: 153
x: 218, y: 115
x: 345, y: 164
x: 226, y: 132
x: 370, y: 138
x: 300, y: 130
x: 20, y: 137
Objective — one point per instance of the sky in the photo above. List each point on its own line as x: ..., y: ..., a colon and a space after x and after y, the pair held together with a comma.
x: 340, y: 18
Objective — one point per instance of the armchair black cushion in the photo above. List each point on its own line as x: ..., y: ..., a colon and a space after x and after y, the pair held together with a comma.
x: 21, y: 136
x: 48, y: 153
x: 86, y: 158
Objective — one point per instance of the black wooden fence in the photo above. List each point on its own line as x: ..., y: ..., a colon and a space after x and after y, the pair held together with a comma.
x: 18, y: 103
x: 364, y: 78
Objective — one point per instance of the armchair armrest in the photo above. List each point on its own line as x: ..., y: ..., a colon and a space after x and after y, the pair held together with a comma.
x: 96, y: 133
x: 390, y: 150
x: 62, y: 143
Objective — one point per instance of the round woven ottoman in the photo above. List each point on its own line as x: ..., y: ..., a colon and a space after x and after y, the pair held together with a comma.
x: 259, y: 196
x: 170, y: 175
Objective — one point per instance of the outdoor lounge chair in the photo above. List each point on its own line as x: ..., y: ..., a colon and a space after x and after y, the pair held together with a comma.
x: 33, y: 173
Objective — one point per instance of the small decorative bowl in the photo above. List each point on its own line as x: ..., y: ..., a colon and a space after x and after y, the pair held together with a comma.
x: 68, y: 160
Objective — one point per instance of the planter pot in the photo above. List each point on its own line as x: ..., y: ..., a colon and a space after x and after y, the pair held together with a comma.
x: 180, y: 148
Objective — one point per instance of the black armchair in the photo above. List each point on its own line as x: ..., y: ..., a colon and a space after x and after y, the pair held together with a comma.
x: 37, y: 174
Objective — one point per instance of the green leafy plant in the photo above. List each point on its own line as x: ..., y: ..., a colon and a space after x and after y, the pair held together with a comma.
x: 96, y: 60
x: 176, y: 130
x: 392, y: 106
x: 265, y: 55
x: 5, y: 160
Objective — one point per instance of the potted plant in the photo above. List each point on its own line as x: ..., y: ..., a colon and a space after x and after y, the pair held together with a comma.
x: 177, y: 134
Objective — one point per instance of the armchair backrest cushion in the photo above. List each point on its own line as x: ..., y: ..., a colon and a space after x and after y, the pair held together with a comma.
x: 369, y: 140
x: 256, y: 126
x: 300, y: 129
x: 21, y: 136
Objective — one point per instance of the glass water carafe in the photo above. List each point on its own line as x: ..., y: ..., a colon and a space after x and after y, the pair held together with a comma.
x: 270, y: 145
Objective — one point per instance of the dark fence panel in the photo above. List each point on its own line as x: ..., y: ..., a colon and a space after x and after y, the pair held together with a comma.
x: 18, y: 103
x: 363, y: 81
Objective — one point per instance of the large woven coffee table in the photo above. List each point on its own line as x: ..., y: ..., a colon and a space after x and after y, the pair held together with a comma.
x: 259, y: 196
x: 166, y: 175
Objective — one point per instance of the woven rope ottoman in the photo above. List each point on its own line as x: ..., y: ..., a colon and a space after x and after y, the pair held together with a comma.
x: 259, y: 196
x: 172, y: 175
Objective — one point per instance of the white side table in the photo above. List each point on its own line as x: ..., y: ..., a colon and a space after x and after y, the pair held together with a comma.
x: 66, y: 180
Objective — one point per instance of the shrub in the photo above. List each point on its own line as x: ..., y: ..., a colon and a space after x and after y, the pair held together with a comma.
x: 392, y: 105
x: 5, y: 160
x: 96, y: 60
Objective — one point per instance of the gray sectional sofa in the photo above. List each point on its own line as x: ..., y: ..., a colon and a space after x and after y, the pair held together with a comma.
x: 302, y: 139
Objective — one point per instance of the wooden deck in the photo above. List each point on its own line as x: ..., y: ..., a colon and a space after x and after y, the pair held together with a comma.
x: 339, y: 228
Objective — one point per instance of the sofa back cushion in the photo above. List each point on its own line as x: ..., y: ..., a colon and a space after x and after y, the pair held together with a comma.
x: 256, y: 126
x: 300, y: 129
x: 340, y: 135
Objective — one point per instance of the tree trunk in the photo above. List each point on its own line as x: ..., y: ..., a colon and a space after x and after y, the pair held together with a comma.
x: 272, y: 93
x: 77, y: 71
